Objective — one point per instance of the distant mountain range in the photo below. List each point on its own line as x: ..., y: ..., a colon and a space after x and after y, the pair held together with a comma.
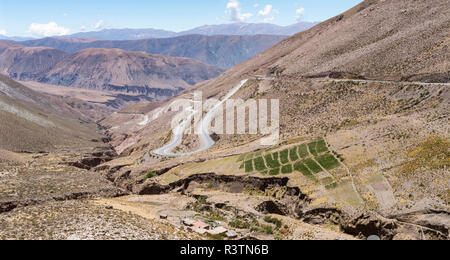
x: 209, y: 30
x: 223, y: 51
x: 2, y: 37
x: 251, y: 29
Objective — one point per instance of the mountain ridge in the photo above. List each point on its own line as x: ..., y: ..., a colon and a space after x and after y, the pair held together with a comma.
x: 221, y: 51
x: 105, y: 69
x: 208, y: 30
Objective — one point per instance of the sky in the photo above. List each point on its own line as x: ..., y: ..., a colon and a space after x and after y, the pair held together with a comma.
x: 41, y: 18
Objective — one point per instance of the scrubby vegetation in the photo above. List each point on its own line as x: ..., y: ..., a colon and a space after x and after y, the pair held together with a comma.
x: 433, y: 153
x: 149, y: 175
x: 278, y: 223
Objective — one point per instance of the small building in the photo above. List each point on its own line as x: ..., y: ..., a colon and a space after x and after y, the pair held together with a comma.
x: 200, y: 225
x: 188, y: 222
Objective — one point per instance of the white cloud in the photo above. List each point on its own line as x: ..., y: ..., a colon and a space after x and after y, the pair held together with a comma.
x: 256, y: 5
x: 65, y: 14
x: 3, y: 32
x: 268, y: 13
x: 83, y: 28
x: 235, y: 12
x: 299, y: 14
x: 47, y: 30
x: 99, y: 25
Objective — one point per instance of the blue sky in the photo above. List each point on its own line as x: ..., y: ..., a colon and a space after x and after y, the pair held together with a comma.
x: 58, y: 17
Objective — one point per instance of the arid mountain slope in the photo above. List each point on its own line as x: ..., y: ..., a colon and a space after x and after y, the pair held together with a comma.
x: 138, y: 72
x: 33, y: 122
x: 221, y: 51
x: 29, y: 64
x: 377, y: 39
x: 154, y: 76
x: 376, y: 146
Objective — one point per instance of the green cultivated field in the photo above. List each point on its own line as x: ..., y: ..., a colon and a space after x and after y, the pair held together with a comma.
x: 249, y: 166
x: 311, y: 164
x: 259, y: 164
x: 308, y: 159
x: 328, y: 161
x: 274, y: 172
x: 284, y: 156
x: 287, y: 169
x: 312, y: 148
x: 293, y: 154
x: 272, y: 160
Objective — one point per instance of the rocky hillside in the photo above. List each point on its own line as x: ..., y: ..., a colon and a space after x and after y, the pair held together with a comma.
x: 357, y: 136
x: 395, y: 40
x: 135, y: 72
x: 32, y: 122
x: 29, y: 64
x: 221, y: 51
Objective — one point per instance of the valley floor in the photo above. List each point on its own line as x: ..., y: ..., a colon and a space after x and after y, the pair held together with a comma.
x: 376, y: 168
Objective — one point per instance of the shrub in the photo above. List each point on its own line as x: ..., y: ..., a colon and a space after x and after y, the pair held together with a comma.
x: 433, y: 153
x: 278, y: 223
x: 268, y: 229
x: 149, y: 175
x: 331, y: 186
x: 239, y: 224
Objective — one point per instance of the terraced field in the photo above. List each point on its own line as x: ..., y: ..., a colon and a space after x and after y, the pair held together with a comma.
x: 314, y: 160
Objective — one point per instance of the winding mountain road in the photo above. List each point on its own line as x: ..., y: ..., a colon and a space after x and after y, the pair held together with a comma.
x: 205, y: 138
